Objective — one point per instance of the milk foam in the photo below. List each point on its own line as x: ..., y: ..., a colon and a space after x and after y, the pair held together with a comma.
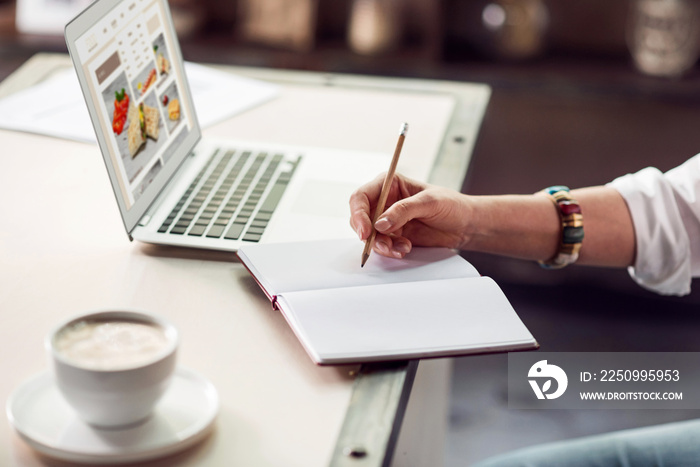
x: 111, y: 345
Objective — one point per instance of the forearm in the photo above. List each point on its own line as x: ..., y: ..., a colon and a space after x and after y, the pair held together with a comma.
x: 608, y: 228
x: 529, y: 227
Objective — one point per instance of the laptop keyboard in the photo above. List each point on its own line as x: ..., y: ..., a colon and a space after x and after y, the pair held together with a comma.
x: 233, y: 197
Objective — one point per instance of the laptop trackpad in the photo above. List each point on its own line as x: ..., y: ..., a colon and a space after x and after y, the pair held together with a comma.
x: 324, y: 198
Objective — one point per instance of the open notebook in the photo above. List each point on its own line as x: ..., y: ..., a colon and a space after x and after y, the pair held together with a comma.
x: 432, y: 303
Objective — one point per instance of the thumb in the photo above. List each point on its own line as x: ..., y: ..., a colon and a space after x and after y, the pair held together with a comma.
x: 402, y: 212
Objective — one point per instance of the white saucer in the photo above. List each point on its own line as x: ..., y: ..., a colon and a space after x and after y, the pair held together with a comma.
x: 184, y: 416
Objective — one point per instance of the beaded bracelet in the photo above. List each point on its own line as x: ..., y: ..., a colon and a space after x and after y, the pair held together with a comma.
x: 571, y: 227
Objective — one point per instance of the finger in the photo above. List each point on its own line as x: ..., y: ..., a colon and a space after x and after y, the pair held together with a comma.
x: 403, y: 211
x: 392, y: 246
x: 359, y: 215
x: 361, y: 202
x: 408, y: 186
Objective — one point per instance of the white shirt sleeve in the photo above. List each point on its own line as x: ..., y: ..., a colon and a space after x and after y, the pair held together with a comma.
x: 665, y: 209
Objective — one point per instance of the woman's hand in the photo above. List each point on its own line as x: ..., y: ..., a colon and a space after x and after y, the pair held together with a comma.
x: 416, y: 214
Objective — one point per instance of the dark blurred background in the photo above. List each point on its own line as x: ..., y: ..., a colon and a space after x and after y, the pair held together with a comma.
x: 583, y: 92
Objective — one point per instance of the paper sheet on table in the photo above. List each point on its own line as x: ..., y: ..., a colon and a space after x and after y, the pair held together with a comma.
x: 55, y: 107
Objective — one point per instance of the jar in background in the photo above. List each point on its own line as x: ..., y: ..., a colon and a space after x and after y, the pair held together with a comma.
x: 664, y: 36
x: 375, y: 26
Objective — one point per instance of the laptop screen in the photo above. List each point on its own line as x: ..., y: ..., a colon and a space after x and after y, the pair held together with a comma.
x: 130, y: 68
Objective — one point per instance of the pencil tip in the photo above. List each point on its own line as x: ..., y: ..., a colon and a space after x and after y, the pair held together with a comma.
x: 364, y: 260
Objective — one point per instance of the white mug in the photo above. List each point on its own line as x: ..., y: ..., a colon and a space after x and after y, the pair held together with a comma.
x: 112, y: 367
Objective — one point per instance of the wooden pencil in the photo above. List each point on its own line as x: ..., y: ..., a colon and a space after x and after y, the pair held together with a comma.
x: 384, y: 194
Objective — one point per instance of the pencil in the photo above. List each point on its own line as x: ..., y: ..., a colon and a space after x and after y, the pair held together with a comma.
x: 384, y: 194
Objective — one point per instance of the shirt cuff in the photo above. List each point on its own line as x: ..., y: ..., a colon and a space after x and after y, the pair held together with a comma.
x: 663, y: 258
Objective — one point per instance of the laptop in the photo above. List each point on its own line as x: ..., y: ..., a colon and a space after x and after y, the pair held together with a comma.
x: 174, y: 187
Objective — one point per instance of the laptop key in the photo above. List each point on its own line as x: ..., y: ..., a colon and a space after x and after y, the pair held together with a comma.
x: 252, y: 237
x: 273, y: 198
x: 216, y: 231
x: 235, y: 231
x: 197, y: 230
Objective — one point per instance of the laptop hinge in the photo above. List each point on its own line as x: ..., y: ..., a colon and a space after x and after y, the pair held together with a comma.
x: 145, y: 220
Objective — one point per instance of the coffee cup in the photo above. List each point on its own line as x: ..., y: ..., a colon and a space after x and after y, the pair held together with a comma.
x: 112, y: 367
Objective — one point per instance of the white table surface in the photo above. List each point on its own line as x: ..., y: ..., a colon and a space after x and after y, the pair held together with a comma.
x: 63, y: 250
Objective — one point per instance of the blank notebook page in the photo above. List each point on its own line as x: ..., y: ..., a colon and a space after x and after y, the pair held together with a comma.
x: 287, y: 267
x: 412, y: 319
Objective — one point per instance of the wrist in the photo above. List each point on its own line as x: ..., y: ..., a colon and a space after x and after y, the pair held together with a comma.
x: 473, y: 221
x: 520, y: 226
